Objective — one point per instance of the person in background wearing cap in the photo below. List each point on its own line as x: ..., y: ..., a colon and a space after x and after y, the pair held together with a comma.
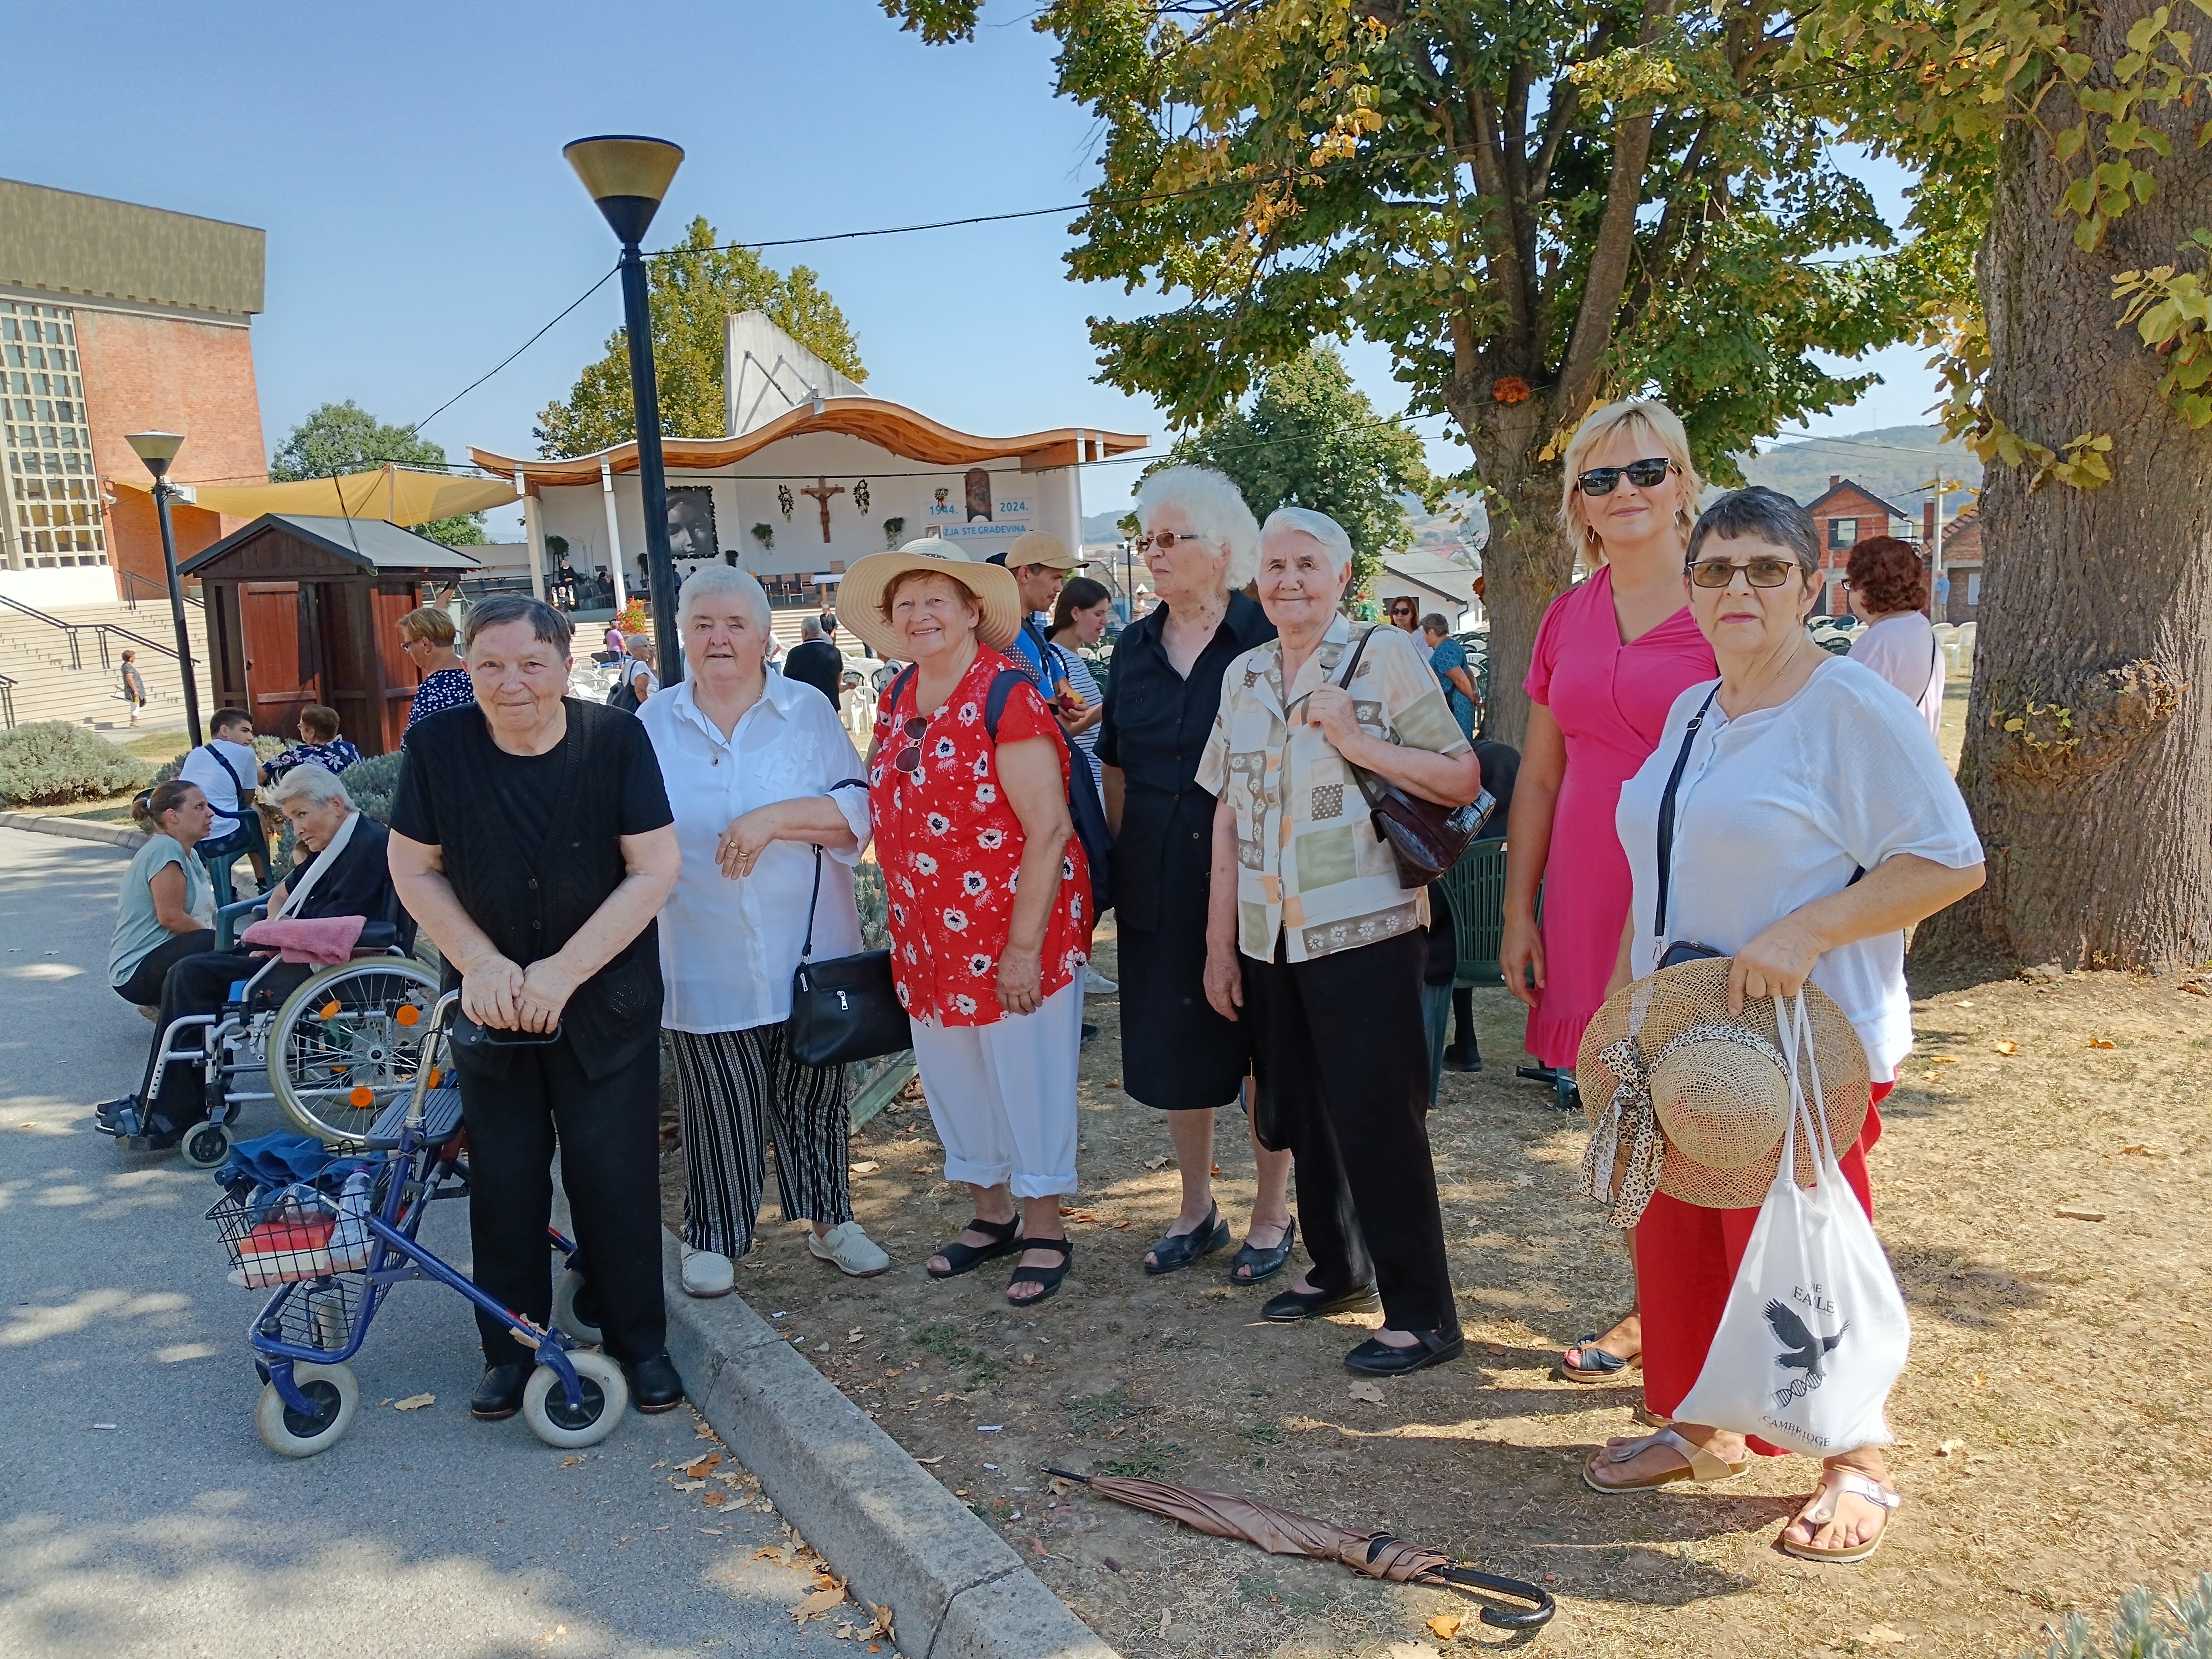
x: 1812, y: 823
x: 1039, y: 565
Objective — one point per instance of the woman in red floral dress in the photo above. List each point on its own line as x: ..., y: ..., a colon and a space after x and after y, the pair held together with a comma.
x: 989, y: 897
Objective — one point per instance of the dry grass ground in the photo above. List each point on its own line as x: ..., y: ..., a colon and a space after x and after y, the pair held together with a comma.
x: 2052, y: 1446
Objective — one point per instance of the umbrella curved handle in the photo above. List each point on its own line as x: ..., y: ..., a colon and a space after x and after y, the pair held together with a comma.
x: 1533, y: 1618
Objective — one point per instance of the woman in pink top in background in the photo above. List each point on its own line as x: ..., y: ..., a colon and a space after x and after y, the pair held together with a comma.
x: 1611, y: 656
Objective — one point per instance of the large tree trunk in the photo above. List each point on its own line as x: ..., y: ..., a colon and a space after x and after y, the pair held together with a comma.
x: 2089, y: 758
x: 1525, y: 564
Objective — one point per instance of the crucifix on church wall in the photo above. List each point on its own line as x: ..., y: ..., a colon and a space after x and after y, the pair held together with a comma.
x: 822, y: 490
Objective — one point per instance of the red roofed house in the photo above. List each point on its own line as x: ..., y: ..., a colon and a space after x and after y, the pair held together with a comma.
x: 1845, y: 516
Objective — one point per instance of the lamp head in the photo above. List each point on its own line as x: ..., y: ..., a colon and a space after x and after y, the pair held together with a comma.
x: 157, y: 449
x: 627, y: 177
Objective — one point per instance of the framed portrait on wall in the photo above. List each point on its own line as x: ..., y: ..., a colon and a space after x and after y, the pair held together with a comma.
x: 691, y: 524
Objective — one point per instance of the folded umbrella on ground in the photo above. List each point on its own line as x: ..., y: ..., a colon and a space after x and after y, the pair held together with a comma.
x: 1282, y: 1532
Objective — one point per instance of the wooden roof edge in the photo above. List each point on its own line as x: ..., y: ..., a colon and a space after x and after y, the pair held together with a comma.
x: 865, y: 418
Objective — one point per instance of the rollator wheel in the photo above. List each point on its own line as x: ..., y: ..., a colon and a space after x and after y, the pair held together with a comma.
x: 571, y: 1318
x: 334, y: 1395
x: 545, y: 1403
x: 205, y: 1145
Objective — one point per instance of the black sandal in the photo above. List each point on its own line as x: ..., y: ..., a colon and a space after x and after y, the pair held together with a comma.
x: 1006, y: 1240
x: 1047, y: 1277
x: 1264, y: 1263
x: 1178, y: 1251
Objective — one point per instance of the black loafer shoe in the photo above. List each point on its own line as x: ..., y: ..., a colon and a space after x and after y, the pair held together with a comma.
x: 1464, y: 1058
x: 1178, y: 1251
x: 1376, y: 1358
x: 653, y: 1384
x: 1288, y: 1307
x: 499, y: 1394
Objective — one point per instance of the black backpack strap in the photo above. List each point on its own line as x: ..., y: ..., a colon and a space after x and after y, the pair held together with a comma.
x: 1666, y: 812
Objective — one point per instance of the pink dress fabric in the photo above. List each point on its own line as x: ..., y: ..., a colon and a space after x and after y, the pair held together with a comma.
x: 1611, y: 702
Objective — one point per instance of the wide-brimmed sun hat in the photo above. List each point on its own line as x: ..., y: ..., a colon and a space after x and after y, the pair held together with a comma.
x: 860, y: 596
x: 1686, y: 1100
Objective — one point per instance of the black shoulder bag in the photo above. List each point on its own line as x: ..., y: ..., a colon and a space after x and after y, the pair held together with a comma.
x: 1424, y: 837
x: 846, y: 1008
x: 1681, y: 950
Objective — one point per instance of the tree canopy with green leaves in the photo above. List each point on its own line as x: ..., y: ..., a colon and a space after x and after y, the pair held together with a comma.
x: 341, y: 438
x: 1310, y: 438
x: 692, y: 289
x: 1534, y: 208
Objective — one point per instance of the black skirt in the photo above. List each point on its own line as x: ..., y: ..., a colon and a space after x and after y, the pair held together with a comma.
x: 1176, y: 1053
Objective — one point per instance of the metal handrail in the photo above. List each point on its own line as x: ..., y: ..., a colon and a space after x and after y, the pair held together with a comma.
x: 77, y: 656
x: 7, y: 703
x: 103, y: 629
x: 133, y: 581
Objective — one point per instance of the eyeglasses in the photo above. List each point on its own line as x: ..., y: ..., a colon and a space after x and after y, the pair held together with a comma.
x: 1168, y: 540
x: 1602, y: 480
x: 1760, y: 573
x: 908, y: 760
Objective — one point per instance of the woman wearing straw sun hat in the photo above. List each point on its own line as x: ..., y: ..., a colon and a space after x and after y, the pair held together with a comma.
x: 1795, y: 820
x: 989, y: 897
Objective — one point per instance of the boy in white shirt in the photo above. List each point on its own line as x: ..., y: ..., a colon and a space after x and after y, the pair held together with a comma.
x: 225, y: 768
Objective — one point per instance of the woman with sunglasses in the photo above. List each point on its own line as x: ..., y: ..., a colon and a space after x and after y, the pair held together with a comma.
x: 1611, y: 655
x: 989, y: 897
x: 1201, y: 544
x: 1813, y: 822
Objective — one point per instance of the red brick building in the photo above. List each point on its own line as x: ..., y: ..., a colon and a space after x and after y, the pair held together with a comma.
x: 1846, y: 516
x: 117, y: 318
x: 1962, y: 562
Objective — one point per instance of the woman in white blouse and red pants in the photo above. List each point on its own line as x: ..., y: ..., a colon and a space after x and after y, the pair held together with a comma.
x: 753, y: 764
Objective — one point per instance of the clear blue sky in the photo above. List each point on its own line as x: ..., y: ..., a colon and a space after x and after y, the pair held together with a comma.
x: 405, y: 161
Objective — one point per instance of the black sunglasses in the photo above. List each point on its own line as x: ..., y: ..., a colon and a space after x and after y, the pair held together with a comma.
x: 910, y: 758
x: 1602, y: 480
x: 1760, y: 573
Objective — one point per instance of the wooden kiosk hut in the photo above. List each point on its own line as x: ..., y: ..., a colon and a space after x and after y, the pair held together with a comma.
x: 304, y: 610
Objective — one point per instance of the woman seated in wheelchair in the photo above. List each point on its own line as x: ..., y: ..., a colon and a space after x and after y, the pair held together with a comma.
x: 339, y: 869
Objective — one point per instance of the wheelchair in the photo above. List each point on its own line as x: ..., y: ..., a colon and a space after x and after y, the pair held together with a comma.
x: 334, y: 1054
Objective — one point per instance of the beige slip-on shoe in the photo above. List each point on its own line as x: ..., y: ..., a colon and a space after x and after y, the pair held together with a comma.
x: 706, y: 1273
x: 851, y: 1249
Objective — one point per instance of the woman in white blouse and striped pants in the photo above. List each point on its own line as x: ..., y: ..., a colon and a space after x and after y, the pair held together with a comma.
x: 754, y: 765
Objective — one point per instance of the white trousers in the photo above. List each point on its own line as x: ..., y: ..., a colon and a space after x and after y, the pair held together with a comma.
x: 1003, y: 1096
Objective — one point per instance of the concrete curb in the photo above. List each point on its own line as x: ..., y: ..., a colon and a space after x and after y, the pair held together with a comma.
x: 955, y: 1589
x: 115, y: 835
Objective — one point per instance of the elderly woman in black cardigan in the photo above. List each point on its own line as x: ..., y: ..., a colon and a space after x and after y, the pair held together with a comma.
x: 1201, y: 544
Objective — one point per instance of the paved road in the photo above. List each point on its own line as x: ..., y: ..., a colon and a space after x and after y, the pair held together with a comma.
x: 139, y: 1512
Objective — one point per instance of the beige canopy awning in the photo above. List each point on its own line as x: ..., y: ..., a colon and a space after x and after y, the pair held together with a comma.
x: 395, y: 495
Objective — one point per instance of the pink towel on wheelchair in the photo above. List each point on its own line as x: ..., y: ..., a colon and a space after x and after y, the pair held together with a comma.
x: 315, y: 939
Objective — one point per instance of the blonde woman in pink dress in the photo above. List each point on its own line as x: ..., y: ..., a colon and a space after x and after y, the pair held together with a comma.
x: 1611, y: 656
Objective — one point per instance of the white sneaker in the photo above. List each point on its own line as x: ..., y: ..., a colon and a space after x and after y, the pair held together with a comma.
x: 851, y: 1249
x: 1096, y: 984
x: 706, y: 1273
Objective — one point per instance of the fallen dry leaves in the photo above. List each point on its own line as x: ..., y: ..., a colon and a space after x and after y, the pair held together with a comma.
x: 2080, y: 1215
x: 819, y: 1603
x: 1445, y: 1626
x: 706, y: 1466
x: 1371, y: 1392
x: 2101, y: 1043
x: 415, y: 1402
x: 569, y: 1462
x: 2006, y: 1047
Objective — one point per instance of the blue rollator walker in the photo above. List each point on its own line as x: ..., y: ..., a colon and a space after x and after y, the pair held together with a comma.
x: 334, y: 1246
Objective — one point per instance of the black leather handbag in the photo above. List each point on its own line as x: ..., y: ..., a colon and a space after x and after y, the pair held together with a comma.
x: 845, y: 1008
x: 1424, y: 837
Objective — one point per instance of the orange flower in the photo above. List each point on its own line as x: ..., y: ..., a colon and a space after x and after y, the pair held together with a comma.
x: 1510, y: 389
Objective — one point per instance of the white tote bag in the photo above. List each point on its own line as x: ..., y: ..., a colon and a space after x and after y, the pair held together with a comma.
x: 1814, y: 1334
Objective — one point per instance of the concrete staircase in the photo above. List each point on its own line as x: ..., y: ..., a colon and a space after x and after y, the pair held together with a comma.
x: 51, y: 684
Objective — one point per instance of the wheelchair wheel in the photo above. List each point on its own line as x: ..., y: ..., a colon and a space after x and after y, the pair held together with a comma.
x: 573, y: 1304
x: 204, y: 1145
x: 344, y: 1044
x: 336, y: 1396
x: 545, y: 1403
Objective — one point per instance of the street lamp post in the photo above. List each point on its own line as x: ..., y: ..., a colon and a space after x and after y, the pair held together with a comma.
x: 627, y: 177
x: 157, y: 450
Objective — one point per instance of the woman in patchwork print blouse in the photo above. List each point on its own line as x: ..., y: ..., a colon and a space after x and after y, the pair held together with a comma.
x: 1312, y: 938
x: 989, y: 897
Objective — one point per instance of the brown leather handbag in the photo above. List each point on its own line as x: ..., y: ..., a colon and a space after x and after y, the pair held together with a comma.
x: 1424, y: 837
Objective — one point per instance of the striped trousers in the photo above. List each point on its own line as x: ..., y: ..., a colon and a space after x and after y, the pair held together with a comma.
x: 732, y: 1090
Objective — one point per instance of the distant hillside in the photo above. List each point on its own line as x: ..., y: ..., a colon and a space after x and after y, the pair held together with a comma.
x: 1892, y: 462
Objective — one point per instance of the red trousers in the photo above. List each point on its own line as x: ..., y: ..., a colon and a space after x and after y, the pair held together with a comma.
x: 1686, y: 1258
